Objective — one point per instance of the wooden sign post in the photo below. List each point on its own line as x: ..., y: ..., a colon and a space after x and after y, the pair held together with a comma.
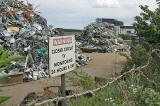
x: 61, y: 58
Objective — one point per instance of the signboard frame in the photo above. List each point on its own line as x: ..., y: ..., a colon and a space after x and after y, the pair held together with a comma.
x: 67, y: 52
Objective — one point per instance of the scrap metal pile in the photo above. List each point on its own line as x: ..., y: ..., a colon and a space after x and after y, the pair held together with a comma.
x: 100, y: 36
x: 24, y: 32
x: 81, y: 59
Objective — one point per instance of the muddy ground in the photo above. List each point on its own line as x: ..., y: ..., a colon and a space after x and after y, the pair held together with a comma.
x: 102, y: 65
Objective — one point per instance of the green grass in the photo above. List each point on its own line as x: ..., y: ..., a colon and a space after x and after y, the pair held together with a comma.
x: 127, y: 92
x: 3, y: 77
x: 3, y: 99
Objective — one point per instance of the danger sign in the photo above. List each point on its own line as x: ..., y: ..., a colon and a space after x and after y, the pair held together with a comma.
x: 61, y: 55
x: 61, y: 41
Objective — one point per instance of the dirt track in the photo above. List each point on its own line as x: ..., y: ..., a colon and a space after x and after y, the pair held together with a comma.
x: 102, y: 65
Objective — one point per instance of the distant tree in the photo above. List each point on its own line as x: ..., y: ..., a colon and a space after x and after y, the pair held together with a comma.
x: 147, y: 25
x: 124, y: 37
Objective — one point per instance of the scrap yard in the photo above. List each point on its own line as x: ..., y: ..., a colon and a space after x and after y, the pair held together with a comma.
x: 43, y: 63
x: 98, y: 67
x: 28, y: 37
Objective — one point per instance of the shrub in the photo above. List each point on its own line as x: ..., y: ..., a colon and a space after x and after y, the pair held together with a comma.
x: 4, y: 60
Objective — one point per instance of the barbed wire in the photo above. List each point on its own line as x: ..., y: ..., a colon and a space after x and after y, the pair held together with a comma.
x: 92, y: 91
x: 148, y: 78
x: 57, y: 99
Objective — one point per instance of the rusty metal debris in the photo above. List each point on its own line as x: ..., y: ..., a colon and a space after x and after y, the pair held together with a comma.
x: 27, y: 36
x: 101, y: 36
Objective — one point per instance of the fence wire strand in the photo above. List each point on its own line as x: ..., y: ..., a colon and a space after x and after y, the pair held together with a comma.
x: 139, y: 69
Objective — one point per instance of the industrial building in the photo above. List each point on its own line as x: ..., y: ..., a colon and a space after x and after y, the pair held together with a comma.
x: 119, y: 25
x: 65, y: 32
x: 114, y: 22
x: 127, y: 30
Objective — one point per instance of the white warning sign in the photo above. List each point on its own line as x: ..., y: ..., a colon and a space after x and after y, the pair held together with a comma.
x: 61, y: 55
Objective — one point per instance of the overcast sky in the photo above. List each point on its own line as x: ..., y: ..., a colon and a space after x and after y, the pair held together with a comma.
x: 79, y: 13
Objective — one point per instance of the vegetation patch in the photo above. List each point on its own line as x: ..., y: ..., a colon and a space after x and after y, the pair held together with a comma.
x: 128, y: 92
x: 3, y: 99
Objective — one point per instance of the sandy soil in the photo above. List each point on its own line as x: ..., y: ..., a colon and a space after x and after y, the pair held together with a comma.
x: 102, y: 65
x: 18, y: 92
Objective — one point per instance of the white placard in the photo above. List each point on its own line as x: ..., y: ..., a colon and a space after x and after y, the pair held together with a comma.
x: 61, y: 55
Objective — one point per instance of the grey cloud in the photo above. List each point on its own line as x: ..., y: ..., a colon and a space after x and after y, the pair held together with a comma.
x: 79, y: 13
x: 106, y: 4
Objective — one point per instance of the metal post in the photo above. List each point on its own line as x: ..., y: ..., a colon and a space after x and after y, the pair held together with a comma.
x: 63, y: 89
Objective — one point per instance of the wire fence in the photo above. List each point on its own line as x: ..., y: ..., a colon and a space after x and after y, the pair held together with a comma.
x: 92, y: 92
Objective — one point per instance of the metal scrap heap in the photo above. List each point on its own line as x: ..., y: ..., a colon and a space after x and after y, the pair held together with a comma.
x: 102, y: 37
x: 24, y: 32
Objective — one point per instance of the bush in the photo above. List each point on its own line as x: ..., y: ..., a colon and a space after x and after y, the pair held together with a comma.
x: 138, y: 57
x: 3, y: 99
x: 4, y: 60
x: 124, y: 37
x: 127, y: 92
x: 83, y: 80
